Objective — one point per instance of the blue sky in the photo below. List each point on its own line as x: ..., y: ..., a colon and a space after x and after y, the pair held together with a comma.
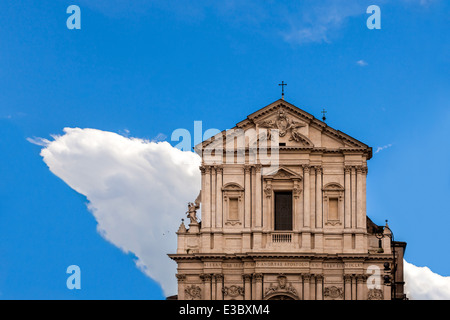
x: 146, y: 69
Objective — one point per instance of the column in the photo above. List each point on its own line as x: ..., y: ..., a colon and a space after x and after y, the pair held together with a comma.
x: 319, y: 217
x: 319, y: 211
x: 219, y: 210
x: 360, y: 279
x: 258, y: 191
x: 312, y: 201
x: 347, y: 199
x: 359, y: 197
x: 206, y: 197
x: 181, y: 286
x: 347, y: 287
x: 353, y: 287
x: 300, y: 291
x: 253, y: 215
x: 313, y: 287
x: 246, y: 240
x: 353, y: 188
x: 258, y: 277
x: 267, y: 217
x: 247, y: 286
x: 387, y: 292
x: 257, y: 234
x: 219, y: 286
x: 206, y: 279
x: 306, y: 234
x: 306, y: 197
x: 319, y: 284
x: 247, y: 196
x: 306, y: 287
x: 213, y: 197
x: 364, y: 192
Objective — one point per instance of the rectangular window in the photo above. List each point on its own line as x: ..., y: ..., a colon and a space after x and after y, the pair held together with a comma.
x: 233, y: 213
x: 283, y: 210
x: 333, y: 209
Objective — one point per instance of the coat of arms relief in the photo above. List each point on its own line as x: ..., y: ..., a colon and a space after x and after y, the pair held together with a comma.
x: 285, y: 126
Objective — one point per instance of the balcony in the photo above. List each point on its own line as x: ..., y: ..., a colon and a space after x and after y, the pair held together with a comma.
x: 282, y: 237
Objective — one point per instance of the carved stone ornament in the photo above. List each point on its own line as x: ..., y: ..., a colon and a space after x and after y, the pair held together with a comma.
x: 205, y: 277
x: 333, y: 292
x: 233, y: 291
x: 285, y: 125
x: 375, y: 294
x: 282, y: 286
x: 192, y: 211
x: 268, y: 190
x: 193, y: 292
x: 232, y: 223
x: 180, y: 277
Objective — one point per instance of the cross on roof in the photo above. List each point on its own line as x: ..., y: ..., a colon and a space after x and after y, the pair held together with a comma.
x: 282, y: 84
x: 323, y: 115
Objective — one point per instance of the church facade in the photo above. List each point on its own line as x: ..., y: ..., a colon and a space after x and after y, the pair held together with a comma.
x: 283, y: 216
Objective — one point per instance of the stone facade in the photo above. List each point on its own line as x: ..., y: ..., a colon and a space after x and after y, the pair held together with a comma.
x: 294, y: 230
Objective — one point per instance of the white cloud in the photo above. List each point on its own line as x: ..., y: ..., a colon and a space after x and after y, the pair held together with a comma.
x: 361, y: 63
x: 137, y: 190
x: 38, y: 141
x: 383, y: 147
x: 423, y: 284
x: 320, y: 22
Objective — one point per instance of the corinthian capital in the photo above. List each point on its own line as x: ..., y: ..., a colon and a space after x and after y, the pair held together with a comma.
x: 306, y: 168
x: 181, y: 277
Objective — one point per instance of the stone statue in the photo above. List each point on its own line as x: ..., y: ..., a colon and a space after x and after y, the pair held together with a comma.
x: 192, y: 211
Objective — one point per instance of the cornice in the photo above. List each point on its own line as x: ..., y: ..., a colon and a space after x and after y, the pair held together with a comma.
x: 255, y: 256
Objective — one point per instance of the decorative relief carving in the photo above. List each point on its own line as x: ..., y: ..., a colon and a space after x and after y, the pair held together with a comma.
x: 282, y: 286
x: 218, y: 277
x: 319, y: 277
x: 257, y: 276
x: 180, y: 277
x: 233, y: 291
x: 333, y: 292
x: 205, y: 277
x: 268, y: 189
x: 347, y: 278
x: 233, y: 223
x: 306, y: 168
x: 284, y: 125
x: 361, y: 278
x: 375, y: 294
x: 247, y: 277
x: 297, y: 190
x: 193, y: 292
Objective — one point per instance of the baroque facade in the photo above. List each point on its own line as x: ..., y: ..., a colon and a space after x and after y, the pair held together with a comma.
x: 283, y: 216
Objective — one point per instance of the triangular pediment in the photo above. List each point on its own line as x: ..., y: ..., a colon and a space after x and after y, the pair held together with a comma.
x: 282, y: 173
x: 296, y: 129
